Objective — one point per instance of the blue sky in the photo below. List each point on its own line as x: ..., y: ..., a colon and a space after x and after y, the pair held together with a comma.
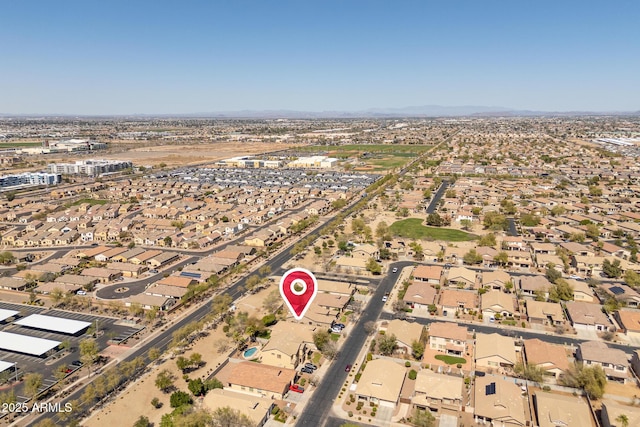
x: 125, y: 57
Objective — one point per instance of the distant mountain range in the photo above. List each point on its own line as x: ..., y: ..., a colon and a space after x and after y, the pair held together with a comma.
x: 414, y: 111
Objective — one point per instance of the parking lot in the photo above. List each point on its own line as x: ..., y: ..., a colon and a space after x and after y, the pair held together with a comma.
x: 47, y: 366
x: 233, y: 177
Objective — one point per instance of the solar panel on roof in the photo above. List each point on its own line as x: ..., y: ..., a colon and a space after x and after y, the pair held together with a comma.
x: 189, y: 274
x: 616, y: 290
x: 490, y: 389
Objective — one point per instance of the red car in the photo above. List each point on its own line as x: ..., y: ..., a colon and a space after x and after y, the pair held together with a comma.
x: 347, y: 368
x: 296, y: 388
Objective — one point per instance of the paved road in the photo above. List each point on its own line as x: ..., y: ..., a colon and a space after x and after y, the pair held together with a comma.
x: 319, y: 405
x: 162, y: 341
x: 518, y: 333
x: 436, y: 197
x: 512, y: 229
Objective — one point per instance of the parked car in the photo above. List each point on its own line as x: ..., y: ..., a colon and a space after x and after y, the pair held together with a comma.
x: 384, y: 298
x: 336, y: 330
x: 310, y: 366
x: 296, y: 388
x: 339, y: 325
x: 306, y: 370
x: 154, y: 271
x: 347, y: 368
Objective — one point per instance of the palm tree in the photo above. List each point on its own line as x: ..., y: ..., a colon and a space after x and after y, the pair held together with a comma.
x: 623, y: 420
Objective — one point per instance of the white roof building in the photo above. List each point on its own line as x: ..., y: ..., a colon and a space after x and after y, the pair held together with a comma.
x: 55, y: 324
x: 26, y: 344
x: 5, y: 314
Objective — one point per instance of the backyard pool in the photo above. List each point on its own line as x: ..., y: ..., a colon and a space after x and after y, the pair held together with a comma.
x: 248, y: 353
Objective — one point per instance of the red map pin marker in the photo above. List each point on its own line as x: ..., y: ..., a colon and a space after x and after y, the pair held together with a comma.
x: 298, y: 288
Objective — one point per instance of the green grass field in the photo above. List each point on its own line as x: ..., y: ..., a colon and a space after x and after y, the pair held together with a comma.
x: 374, y: 148
x: 89, y: 201
x: 387, y: 163
x: 451, y: 360
x: 413, y: 229
x: 378, y: 158
x: 20, y: 144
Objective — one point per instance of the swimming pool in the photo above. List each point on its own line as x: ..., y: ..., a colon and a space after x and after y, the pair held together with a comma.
x: 250, y: 352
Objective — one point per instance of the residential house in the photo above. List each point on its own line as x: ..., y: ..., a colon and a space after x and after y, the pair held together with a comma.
x: 629, y: 321
x: 125, y: 256
x: 13, y: 283
x: 335, y: 287
x: 128, y: 269
x: 447, y: 337
x: 495, y: 351
x: 554, y: 410
x: 150, y: 302
x: 613, y: 361
x: 366, y: 251
x: 497, y: 302
x: 381, y: 383
x: 428, y: 273
x: 498, y: 402
x: 588, y: 265
x: 623, y: 294
x: 581, y: 291
x: 496, y: 280
x: 612, y: 412
x: 144, y: 257
x: 351, y: 265
x: 177, y: 281
x: 103, y: 275
x: 166, y: 291
x: 163, y: 259
x: 530, y: 285
x: 454, y: 301
x: 107, y: 255
x: 257, y: 379
x: 635, y: 362
x: 91, y: 252
x: 406, y: 334
x: 332, y: 302
x: 420, y: 295
x: 587, y: 316
x: 257, y: 409
x: 578, y: 249
x: 545, y: 313
x: 289, y: 345
x: 436, y: 392
x: 520, y: 259
x: 514, y: 243
x: 462, y: 277
x: 73, y: 279
x: 550, y: 357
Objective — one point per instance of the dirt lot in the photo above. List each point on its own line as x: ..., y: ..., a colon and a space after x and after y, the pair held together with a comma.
x: 136, y: 400
x: 148, y: 154
x: 182, y: 155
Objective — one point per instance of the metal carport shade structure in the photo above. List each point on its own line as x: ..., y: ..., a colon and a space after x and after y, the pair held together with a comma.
x: 5, y: 314
x: 26, y: 344
x: 54, y: 324
x: 5, y: 365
